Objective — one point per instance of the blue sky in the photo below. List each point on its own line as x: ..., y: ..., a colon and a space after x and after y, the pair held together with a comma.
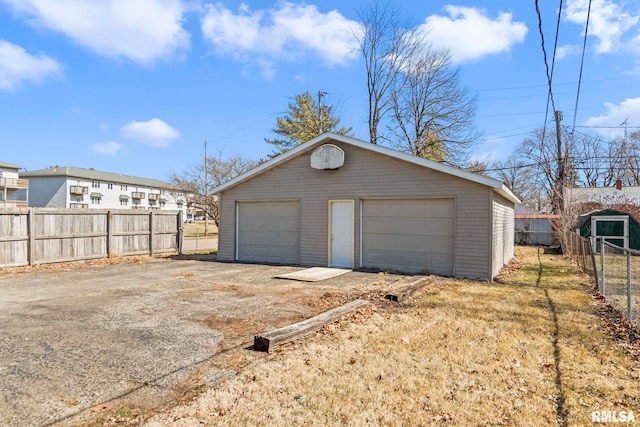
x: 135, y: 87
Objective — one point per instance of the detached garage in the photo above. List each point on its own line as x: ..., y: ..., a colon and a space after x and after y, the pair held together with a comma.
x: 341, y: 202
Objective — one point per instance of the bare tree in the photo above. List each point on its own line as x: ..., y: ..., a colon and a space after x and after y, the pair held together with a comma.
x: 518, y: 176
x: 600, y: 163
x: 627, y: 149
x: 479, y: 166
x: 591, y: 157
x: 412, y: 89
x: 433, y: 115
x: 541, y: 154
x: 387, y: 44
x: 220, y: 169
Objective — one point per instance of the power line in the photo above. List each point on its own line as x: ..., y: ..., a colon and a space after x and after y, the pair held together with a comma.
x: 556, y: 84
x: 546, y: 65
x: 609, y: 127
x: 584, y: 48
x: 555, y: 49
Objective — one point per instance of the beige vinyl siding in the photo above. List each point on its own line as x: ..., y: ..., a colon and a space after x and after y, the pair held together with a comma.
x: 503, y: 233
x: 226, y: 233
x: 473, y: 233
x: 365, y: 175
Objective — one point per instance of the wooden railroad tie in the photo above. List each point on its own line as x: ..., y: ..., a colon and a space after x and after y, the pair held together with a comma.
x: 403, y: 292
x: 270, y: 340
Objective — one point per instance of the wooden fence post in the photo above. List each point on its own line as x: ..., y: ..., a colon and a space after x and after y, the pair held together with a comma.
x: 602, y: 282
x: 629, y: 316
x: 151, y: 232
x: 180, y: 233
x: 31, y: 242
x: 110, y: 234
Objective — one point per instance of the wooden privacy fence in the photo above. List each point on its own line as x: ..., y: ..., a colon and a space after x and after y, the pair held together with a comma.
x: 44, y: 235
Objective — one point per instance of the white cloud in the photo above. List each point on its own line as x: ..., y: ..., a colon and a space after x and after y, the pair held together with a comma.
x: 288, y: 32
x: 17, y: 66
x: 109, y: 148
x: 617, y: 114
x: 141, y: 30
x: 607, y: 22
x: 567, y: 50
x: 469, y: 34
x: 154, y: 132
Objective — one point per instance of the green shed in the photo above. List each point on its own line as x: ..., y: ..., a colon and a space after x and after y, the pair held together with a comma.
x: 616, y: 227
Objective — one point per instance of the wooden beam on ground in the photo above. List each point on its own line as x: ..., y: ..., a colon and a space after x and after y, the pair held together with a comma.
x: 270, y: 340
x: 403, y: 292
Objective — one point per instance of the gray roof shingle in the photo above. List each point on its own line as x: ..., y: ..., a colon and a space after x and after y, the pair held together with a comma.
x: 92, y: 174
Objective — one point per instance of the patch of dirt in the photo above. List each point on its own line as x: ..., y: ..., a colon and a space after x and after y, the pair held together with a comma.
x: 72, y: 265
x: 512, y: 266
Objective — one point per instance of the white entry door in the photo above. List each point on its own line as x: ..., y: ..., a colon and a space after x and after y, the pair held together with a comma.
x: 341, y: 233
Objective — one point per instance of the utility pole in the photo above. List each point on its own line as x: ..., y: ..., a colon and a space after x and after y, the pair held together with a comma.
x: 625, y: 123
x: 320, y: 95
x: 561, y: 164
x: 206, y: 189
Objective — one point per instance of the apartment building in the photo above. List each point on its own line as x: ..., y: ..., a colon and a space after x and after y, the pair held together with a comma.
x: 13, y: 190
x: 79, y: 188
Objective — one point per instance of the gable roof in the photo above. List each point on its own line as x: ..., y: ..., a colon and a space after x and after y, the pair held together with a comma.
x: 582, y: 219
x: 496, y: 185
x: 4, y: 165
x: 94, y: 175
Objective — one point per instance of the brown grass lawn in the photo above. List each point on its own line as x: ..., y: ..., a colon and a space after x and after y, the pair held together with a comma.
x: 196, y: 230
x: 527, y: 350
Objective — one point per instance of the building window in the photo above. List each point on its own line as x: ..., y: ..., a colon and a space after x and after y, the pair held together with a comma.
x: 162, y: 204
x: 95, y: 184
x: 110, y: 186
x: 152, y: 202
x: 95, y: 200
x: 124, y: 202
x: 123, y: 187
x: 135, y: 202
x: 179, y: 205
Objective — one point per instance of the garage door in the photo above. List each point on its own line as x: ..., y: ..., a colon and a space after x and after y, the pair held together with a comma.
x: 269, y: 232
x: 408, y: 235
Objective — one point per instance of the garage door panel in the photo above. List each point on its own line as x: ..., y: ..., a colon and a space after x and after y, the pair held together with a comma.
x: 439, y: 210
x: 268, y: 224
x: 408, y: 235
x: 397, y: 226
x: 384, y: 243
x: 268, y: 238
x: 372, y: 225
x: 269, y: 232
x: 438, y: 227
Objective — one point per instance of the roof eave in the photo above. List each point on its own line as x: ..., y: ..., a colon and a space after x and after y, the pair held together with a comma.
x: 508, y: 194
x: 449, y: 170
x: 279, y: 159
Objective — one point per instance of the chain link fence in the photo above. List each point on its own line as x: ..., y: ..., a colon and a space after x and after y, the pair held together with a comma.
x: 616, y: 271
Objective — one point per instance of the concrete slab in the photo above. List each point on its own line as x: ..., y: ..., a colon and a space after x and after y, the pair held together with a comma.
x: 314, y: 274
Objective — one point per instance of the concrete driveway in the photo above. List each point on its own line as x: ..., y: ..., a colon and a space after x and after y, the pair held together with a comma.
x: 83, y: 338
